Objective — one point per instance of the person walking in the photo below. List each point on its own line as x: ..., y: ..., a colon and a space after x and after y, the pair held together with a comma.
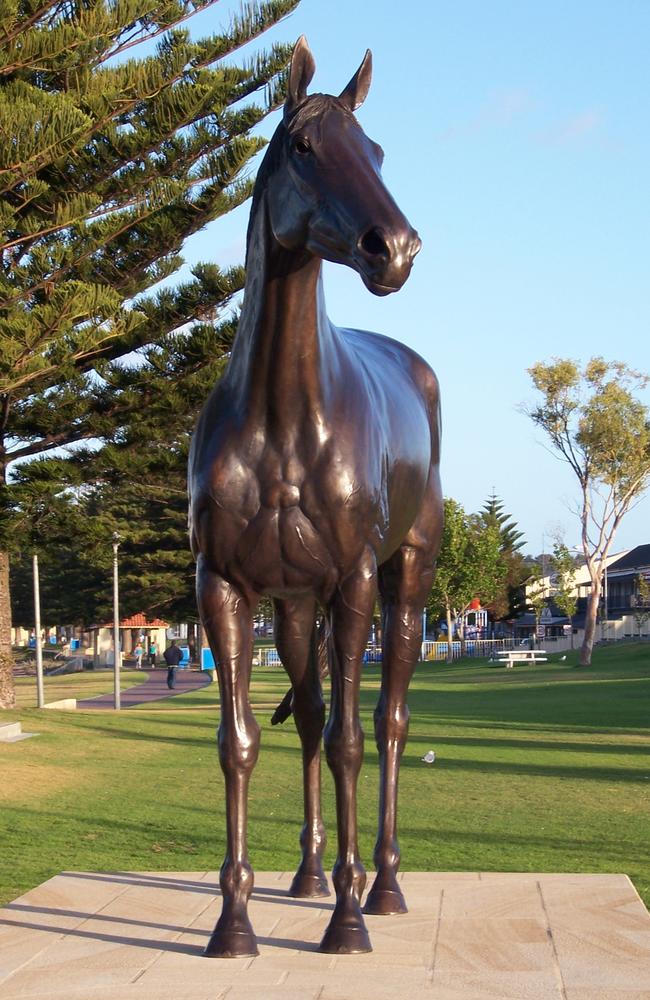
x: 153, y: 652
x: 172, y: 657
x: 138, y: 652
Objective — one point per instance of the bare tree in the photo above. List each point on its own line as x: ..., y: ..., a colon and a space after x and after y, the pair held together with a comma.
x: 598, y: 426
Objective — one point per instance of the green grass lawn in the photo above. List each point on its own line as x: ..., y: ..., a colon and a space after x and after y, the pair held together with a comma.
x: 540, y: 768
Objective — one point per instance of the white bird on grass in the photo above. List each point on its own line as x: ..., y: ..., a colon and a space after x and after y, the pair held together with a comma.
x: 429, y: 757
x: 563, y: 658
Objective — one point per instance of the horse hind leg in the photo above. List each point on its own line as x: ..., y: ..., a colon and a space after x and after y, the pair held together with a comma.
x: 228, y: 617
x: 295, y: 637
x: 404, y: 582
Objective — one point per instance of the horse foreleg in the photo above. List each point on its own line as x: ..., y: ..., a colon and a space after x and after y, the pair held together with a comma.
x: 227, y: 618
x: 295, y: 639
x: 404, y: 582
x: 351, y: 614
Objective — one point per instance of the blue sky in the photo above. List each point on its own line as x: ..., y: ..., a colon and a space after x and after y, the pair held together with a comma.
x: 517, y: 143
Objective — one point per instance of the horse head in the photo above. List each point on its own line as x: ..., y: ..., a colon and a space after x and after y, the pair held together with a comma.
x: 322, y: 178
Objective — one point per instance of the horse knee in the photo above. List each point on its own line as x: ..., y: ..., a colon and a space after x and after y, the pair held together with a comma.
x: 391, y: 725
x: 344, y: 749
x: 239, y: 747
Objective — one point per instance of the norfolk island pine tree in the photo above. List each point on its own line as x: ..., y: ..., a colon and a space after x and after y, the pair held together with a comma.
x: 114, y: 161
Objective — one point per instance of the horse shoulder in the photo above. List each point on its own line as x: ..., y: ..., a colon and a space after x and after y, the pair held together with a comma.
x: 396, y: 362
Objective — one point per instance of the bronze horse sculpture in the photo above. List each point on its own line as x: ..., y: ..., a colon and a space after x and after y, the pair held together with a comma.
x: 314, y: 481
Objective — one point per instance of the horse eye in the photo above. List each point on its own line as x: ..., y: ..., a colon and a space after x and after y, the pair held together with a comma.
x: 301, y: 146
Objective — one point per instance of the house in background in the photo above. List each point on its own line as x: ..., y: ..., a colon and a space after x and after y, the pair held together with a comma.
x: 136, y: 627
x: 622, y: 580
x: 552, y: 624
x: 620, y: 599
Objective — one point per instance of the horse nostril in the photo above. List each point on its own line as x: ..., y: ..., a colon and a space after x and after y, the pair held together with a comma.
x: 374, y: 244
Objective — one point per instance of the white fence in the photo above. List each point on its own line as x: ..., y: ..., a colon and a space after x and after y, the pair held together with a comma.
x: 473, y: 647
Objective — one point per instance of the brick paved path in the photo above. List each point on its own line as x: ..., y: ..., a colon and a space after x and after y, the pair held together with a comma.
x: 153, y: 688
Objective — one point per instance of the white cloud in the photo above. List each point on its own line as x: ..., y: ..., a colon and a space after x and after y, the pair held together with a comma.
x: 575, y: 128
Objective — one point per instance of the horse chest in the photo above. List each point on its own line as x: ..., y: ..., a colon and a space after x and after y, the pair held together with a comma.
x: 286, y: 526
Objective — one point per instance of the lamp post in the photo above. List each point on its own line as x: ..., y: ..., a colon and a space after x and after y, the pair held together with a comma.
x: 40, y: 695
x: 117, y: 652
x: 423, y: 648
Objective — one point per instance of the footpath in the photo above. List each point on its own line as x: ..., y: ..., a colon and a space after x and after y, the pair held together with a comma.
x: 153, y: 688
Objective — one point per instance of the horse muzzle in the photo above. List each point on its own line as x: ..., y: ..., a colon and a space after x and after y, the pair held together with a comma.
x: 384, y: 259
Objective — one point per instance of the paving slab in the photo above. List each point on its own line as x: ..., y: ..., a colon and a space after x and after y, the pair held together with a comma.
x: 467, y: 936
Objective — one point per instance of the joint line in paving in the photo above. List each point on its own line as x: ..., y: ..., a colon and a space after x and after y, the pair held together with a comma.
x: 431, y: 972
x: 549, y: 933
x: 61, y: 936
x: 159, y: 954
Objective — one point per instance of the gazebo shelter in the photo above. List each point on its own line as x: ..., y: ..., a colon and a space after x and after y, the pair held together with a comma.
x: 132, y: 629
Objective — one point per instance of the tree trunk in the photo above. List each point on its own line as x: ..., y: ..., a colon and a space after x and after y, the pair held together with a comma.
x: 450, y: 636
x: 7, y: 690
x: 590, y: 624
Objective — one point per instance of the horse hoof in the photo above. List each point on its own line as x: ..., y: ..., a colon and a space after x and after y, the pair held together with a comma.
x: 226, y: 943
x: 382, y: 902
x: 309, y: 886
x: 345, y: 938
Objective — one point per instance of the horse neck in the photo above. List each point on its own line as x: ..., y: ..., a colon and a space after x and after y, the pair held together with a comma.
x: 283, y: 353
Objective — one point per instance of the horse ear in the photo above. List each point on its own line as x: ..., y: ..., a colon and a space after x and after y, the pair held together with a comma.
x: 357, y: 90
x: 301, y: 72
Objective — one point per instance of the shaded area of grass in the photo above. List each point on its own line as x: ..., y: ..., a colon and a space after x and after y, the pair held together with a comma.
x: 543, y: 768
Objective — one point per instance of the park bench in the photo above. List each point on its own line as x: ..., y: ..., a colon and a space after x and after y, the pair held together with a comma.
x: 512, y: 656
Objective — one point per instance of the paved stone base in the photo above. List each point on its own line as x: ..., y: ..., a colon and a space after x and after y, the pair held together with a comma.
x: 467, y: 936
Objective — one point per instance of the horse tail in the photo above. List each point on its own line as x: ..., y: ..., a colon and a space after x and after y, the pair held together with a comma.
x: 320, y: 649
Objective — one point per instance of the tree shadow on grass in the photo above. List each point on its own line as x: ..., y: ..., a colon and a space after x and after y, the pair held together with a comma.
x: 607, y: 708
x: 551, y: 745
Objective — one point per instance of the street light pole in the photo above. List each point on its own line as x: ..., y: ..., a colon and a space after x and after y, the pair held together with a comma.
x: 423, y: 648
x: 40, y: 695
x: 117, y: 652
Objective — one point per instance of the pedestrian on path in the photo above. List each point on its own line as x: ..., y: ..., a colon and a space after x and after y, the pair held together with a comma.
x: 153, y: 652
x: 138, y: 652
x: 172, y: 657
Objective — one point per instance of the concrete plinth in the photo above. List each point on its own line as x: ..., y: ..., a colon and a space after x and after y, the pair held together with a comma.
x: 467, y: 936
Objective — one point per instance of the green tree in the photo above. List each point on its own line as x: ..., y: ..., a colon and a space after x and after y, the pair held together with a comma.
x: 564, y: 591
x: 140, y: 496
x: 493, y: 514
x: 536, y: 592
x: 597, y: 425
x: 508, y: 600
x: 110, y: 163
x: 468, y: 567
x: 641, y: 609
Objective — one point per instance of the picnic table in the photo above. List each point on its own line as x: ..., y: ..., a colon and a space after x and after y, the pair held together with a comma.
x: 512, y: 656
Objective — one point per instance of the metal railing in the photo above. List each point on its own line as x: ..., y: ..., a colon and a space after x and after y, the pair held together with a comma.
x: 431, y: 650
